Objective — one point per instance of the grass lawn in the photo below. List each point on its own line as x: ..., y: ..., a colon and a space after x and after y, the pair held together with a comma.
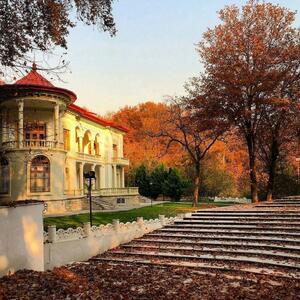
x: 168, y: 209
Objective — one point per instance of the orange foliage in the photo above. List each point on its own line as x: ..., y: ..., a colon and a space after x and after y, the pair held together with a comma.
x: 138, y: 146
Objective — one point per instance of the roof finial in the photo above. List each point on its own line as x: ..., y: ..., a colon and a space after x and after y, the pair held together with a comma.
x: 34, y: 66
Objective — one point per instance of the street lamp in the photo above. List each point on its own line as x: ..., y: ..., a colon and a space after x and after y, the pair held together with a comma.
x: 90, y: 175
x: 151, y: 183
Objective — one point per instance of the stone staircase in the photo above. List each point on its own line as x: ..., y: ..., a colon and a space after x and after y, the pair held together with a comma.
x: 99, y: 203
x: 262, y: 239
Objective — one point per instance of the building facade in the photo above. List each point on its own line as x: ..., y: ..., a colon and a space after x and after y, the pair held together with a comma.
x: 47, y: 143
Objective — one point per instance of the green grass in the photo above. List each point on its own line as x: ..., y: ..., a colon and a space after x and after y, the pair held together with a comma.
x: 168, y: 209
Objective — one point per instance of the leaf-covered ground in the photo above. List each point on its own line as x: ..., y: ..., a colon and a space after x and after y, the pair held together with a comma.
x: 129, y: 281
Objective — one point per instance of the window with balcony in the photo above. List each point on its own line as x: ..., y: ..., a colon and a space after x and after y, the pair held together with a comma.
x: 40, y: 174
x: 4, y: 176
x: 35, y: 134
x: 67, y: 139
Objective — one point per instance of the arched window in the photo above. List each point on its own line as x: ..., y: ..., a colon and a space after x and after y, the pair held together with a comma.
x: 4, y: 176
x: 40, y: 174
x: 86, y: 143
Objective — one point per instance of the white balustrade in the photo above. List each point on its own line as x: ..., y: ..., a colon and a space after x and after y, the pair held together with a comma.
x: 61, y: 235
x: 33, y: 144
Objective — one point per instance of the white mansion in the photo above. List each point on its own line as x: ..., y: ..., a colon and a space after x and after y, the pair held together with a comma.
x: 47, y: 143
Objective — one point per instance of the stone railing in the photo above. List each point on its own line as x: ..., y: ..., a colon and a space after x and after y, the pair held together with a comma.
x: 33, y: 144
x: 61, y: 235
x: 65, y: 246
x: 126, y: 191
x: 121, y: 161
x: 87, y: 156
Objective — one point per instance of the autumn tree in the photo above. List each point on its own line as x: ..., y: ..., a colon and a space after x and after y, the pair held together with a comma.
x: 180, y: 125
x: 249, y: 59
x: 36, y: 25
x: 138, y: 146
x: 279, y: 129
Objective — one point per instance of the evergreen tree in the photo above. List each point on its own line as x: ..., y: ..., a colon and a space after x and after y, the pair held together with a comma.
x: 173, y: 186
x: 142, y: 180
x: 157, y: 178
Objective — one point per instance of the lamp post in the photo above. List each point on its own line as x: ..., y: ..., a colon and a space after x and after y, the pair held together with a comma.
x: 90, y: 175
x: 151, y: 183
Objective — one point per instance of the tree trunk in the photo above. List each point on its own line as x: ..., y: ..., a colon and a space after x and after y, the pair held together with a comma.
x: 252, y: 166
x: 272, y: 169
x: 197, y: 187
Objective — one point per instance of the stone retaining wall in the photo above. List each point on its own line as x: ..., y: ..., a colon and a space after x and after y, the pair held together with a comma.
x: 66, y: 246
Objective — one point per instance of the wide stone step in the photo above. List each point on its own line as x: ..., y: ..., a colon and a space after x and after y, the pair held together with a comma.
x: 215, y: 243
x: 237, y: 227
x: 245, y: 218
x: 238, y: 221
x: 198, y: 249
x: 277, y: 205
x: 209, y: 236
x: 231, y: 232
x: 287, y: 202
x: 294, y: 213
x: 206, y: 266
x: 204, y: 257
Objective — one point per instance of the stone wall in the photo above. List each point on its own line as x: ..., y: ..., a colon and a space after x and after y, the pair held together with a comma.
x: 66, y: 205
x: 67, y: 246
x: 21, y: 237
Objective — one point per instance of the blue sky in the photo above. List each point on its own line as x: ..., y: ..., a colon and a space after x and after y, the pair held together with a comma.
x: 151, y: 56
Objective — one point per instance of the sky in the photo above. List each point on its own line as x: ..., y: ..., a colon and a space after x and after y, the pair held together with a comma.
x: 151, y: 57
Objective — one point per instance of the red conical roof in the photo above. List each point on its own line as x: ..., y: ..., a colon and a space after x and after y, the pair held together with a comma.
x: 34, y: 81
x: 34, y: 78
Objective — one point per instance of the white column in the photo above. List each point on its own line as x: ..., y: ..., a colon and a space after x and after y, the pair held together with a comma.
x: 102, y: 177
x: 115, y: 176
x: 20, y: 123
x: 122, y: 177
x: 98, y: 178
x: 56, y: 123
x: 93, y: 181
x: 4, y: 125
x: 81, y: 177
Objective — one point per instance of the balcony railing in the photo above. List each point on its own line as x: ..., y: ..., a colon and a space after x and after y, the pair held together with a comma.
x: 126, y: 191
x: 89, y: 156
x: 33, y: 144
x: 121, y: 161
x: 118, y: 191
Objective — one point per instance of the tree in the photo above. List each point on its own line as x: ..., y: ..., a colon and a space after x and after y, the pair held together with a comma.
x: 247, y: 61
x: 279, y: 129
x: 36, y: 25
x: 173, y: 185
x: 181, y: 125
x: 157, y: 179
x: 142, y: 180
x: 138, y: 146
x: 216, y: 179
